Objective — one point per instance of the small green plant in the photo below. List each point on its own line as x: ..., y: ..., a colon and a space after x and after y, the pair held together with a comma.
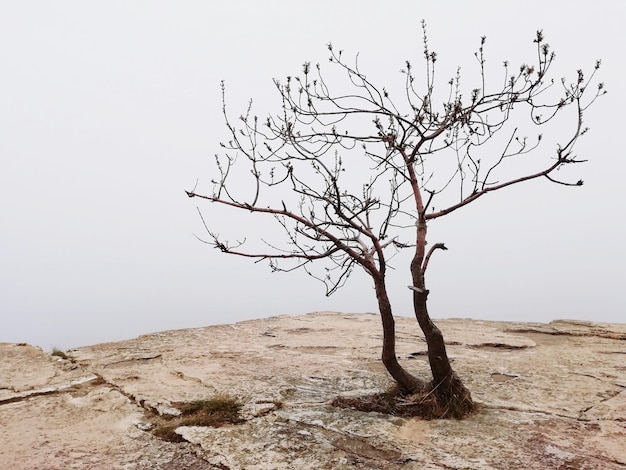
x: 215, y: 412
x: 57, y: 352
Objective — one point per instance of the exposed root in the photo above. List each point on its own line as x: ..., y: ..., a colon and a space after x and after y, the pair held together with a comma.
x: 425, y: 405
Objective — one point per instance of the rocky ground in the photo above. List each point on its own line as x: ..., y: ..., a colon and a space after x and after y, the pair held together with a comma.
x: 552, y: 396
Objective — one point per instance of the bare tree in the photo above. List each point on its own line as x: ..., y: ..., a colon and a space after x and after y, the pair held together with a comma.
x: 353, y: 178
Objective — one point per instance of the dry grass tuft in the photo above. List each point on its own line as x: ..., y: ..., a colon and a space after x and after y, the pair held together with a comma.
x: 215, y: 412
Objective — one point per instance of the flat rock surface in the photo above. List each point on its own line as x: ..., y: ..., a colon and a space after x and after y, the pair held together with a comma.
x: 551, y: 396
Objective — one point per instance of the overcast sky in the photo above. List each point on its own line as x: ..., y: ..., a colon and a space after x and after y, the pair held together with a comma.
x: 109, y: 110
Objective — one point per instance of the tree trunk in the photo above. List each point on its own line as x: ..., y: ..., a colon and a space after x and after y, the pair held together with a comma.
x: 405, y: 380
x: 453, y: 397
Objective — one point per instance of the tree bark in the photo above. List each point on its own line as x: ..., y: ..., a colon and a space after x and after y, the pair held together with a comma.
x: 437, y: 354
x: 405, y: 380
x: 454, y: 398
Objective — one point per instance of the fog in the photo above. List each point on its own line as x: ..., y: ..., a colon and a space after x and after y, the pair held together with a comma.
x: 110, y: 110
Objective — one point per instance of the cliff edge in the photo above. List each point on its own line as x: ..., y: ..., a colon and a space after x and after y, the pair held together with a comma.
x: 551, y: 396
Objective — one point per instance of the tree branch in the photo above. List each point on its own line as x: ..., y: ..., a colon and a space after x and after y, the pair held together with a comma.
x: 436, y: 246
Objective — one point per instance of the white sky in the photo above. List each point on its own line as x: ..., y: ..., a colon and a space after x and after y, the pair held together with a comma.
x: 110, y: 110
